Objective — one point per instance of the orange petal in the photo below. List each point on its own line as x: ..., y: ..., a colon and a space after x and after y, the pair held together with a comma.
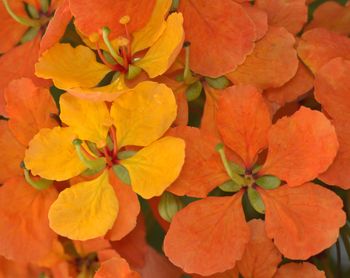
x: 300, y: 147
x: 24, y: 227
x: 292, y: 270
x: 116, y: 267
x: 318, y: 46
x: 331, y: 90
x: 11, y: 31
x: 92, y: 245
x: 129, y: 208
x: 261, y: 257
x: 12, y: 153
x: 272, y: 63
x: 16, y: 63
x: 203, y: 169
x: 109, y: 14
x: 57, y: 26
x: 302, y: 220
x: 299, y: 85
x: 232, y: 273
x: 221, y: 35
x: 243, y: 120
x: 28, y: 108
x: 259, y: 18
x: 208, y: 121
x: 9, y: 268
x: 133, y: 247
x: 208, y: 236
x: 332, y: 16
x: 290, y: 14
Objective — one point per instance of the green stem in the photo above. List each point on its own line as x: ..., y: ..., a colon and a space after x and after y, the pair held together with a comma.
x: 234, y: 176
x: 105, y: 35
x: 188, y: 78
x: 19, y: 19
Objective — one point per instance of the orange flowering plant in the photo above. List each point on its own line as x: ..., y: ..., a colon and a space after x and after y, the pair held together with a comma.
x: 174, y: 138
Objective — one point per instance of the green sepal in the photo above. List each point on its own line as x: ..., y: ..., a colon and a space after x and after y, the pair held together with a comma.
x: 237, y: 168
x: 39, y: 184
x: 268, y: 182
x: 126, y: 154
x: 194, y: 91
x: 255, y: 200
x: 133, y: 71
x: 110, y: 144
x: 169, y: 205
x: 179, y: 78
x: 30, y: 34
x: 218, y: 83
x: 96, y: 164
x: 256, y: 168
x: 230, y: 186
x: 174, y: 5
x: 44, y: 5
x: 33, y: 12
x: 108, y: 57
x: 122, y: 173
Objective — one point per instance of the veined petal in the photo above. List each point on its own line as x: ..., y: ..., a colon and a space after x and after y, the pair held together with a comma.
x: 300, y: 147
x: 156, y: 166
x: 150, y: 33
x: 51, y: 154
x: 243, y: 120
x: 70, y: 67
x: 208, y: 236
x: 163, y: 52
x: 303, y: 220
x: 143, y: 114
x: 29, y: 108
x: 85, y: 210
x: 89, y: 120
x: 305, y: 269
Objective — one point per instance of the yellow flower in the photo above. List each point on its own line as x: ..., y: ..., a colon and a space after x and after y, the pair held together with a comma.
x: 103, y: 139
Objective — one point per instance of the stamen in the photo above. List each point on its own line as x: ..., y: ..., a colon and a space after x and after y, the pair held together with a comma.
x: 125, y: 20
x: 105, y: 34
x: 234, y: 176
x: 188, y: 78
x: 39, y: 184
x: 19, y: 19
x: 95, y: 164
x: 102, y: 57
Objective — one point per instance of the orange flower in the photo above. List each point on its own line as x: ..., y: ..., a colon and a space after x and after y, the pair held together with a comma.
x: 303, y: 218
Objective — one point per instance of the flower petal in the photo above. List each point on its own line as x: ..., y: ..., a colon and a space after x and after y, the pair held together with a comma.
x: 85, y: 210
x: 109, y: 14
x: 115, y: 267
x: 203, y: 169
x: 89, y: 120
x: 143, y: 114
x: 305, y: 269
x: 261, y: 257
x: 331, y: 90
x: 300, y: 147
x: 70, y: 67
x: 12, y: 153
x: 243, y: 120
x: 156, y: 166
x: 273, y: 62
x: 129, y: 209
x: 29, y: 109
x: 300, y: 84
x: 51, y: 154
x: 303, y: 220
x: 214, y: 30
x: 318, y: 46
x: 208, y: 236
x: 164, y: 51
x: 291, y: 14
x: 151, y: 32
x: 259, y: 17
x: 24, y: 226
x: 339, y: 14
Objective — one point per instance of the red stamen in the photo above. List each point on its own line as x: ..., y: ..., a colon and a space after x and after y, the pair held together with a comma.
x: 102, y: 57
x: 114, y: 139
x: 107, y: 156
x: 125, y: 57
x: 89, y: 155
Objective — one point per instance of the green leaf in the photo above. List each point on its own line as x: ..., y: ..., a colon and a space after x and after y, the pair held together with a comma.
x: 230, y: 186
x: 218, y: 83
x: 194, y: 91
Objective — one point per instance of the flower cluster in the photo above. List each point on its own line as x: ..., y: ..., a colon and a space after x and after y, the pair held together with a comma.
x: 184, y: 138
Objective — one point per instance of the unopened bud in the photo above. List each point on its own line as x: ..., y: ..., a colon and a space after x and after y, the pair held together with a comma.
x: 169, y: 205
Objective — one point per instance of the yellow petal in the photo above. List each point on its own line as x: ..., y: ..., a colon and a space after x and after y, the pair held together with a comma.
x: 105, y: 93
x: 70, y: 67
x: 156, y: 166
x: 163, y: 52
x: 89, y: 120
x: 149, y: 34
x: 143, y: 114
x: 85, y: 210
x: 52, y: 156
